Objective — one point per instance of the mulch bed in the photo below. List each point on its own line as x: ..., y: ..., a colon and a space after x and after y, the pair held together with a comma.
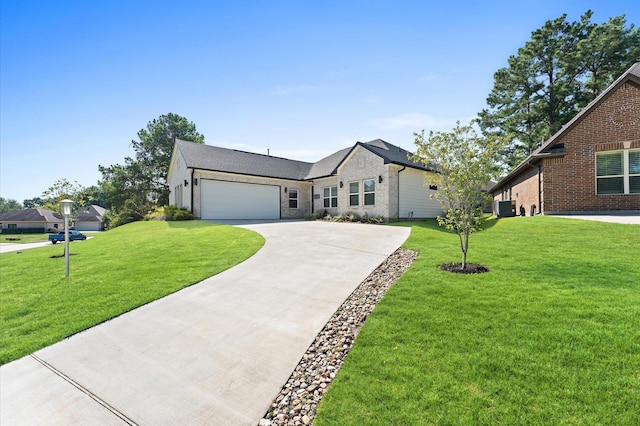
x: 472, y: 268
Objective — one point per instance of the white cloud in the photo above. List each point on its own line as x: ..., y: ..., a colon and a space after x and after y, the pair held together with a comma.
x: 416, y: 121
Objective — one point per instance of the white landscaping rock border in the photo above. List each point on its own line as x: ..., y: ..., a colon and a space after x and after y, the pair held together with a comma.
x: 298, y: 400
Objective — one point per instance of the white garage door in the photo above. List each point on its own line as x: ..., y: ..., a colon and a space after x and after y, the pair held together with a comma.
x: 234, y: 200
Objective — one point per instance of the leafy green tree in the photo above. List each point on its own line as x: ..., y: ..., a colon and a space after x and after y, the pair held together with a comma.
x: 9, y: 205
x: 60, y: 190
x: 92, y: 195
x: 132, y: 189
x: 33, y: 203
x: 553, y: 76
x: 155, y: 146
x: 126, y: 192
x: 464, y: 163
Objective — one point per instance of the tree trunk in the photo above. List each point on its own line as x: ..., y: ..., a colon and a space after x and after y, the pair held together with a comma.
x: 464, y: 243
x: 464, y: 246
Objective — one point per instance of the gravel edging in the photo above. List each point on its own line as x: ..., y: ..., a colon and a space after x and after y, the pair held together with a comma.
x: 298, y: 400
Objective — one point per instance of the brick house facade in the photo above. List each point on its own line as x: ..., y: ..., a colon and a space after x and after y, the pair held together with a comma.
x: 592, y: 165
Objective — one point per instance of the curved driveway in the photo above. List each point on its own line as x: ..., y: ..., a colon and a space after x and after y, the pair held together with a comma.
x: 216, y: 353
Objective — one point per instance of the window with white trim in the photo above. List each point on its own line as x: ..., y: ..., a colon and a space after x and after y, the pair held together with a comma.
x: 618, y: 172
x: 354, y: 193
x: 330, y: 197
x: 369, y: 192
x: 293, y: 198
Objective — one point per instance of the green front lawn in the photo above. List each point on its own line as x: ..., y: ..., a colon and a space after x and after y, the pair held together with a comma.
x: 551, y: 335
x: 110, y: 274
x: 23, y: 238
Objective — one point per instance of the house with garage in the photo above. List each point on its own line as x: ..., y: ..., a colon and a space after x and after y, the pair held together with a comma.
x: 374, y: 178
x: 31, y: 221
x: 89, y: 218
x: 591, y: 165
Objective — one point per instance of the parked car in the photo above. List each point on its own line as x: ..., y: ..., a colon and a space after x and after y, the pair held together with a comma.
x: 73, y: 236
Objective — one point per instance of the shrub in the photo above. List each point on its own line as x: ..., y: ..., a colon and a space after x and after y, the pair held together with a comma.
x: 313, y: 216
x: 113, y: 219
x: 353, y: 217
x: 169, y: 213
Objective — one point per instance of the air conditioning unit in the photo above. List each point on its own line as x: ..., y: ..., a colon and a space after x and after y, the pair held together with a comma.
x: 506, y: 208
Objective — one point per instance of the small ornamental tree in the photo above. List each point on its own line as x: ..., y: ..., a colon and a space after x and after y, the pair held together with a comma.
x: 464, y: 163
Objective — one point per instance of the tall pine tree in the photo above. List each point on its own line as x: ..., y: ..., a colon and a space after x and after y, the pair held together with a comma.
x: 554, y: 75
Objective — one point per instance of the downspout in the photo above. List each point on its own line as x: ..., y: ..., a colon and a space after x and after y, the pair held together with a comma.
x: 312, y: 209
x: 403, y: 167
x: 539, y: 189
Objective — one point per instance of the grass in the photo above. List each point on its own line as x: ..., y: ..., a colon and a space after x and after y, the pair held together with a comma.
x: 110, y: 274
x: 551, y: 335
x: 23, y: 238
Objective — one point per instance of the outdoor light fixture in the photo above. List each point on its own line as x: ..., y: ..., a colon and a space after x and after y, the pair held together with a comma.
x: 380, y: 179
x: 65, y: 206
x: 341, y: 184
x: 195, y: 181
x: 285, y: 189
x: 186, y: 183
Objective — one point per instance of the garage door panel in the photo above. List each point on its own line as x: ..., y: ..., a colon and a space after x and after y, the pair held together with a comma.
x: 236, y: 200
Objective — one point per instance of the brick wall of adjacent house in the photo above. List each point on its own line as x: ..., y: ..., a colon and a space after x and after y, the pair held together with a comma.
x: 524, y: 191
x: 570, y: 181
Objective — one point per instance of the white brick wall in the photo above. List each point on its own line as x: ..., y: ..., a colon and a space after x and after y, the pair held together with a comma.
x: 362, y: 164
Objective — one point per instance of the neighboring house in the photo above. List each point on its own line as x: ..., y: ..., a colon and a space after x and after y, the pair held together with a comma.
x: 374, y: 178
x: 90, y: 219
x: 31, y: 221
x: 592, y: 165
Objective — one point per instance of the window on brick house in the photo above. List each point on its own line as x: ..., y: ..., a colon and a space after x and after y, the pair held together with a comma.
x: 330, y: 196
x: 293, y: 198
x: 369, y: 192
x: 354, y: 193
x: 618, y: 172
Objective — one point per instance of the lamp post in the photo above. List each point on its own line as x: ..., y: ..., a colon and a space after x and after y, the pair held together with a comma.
x: 66, y: 211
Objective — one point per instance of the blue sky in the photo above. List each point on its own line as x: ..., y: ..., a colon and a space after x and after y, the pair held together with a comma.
x: 302, y: 79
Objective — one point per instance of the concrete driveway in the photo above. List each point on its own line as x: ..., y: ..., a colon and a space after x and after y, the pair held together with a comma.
x: 630, y: 219
x: 10, y: 247
x: 216, y: 353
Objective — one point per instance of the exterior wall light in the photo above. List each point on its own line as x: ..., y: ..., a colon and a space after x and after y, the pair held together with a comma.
x: 380, y: 179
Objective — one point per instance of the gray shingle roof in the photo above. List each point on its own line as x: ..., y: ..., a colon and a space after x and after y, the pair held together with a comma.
x: 93, y: 213
x: 207, y: 157
x: 328, y: 165
x: 213, y: 158
x: 392, y: 154
x: 31, y: 215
